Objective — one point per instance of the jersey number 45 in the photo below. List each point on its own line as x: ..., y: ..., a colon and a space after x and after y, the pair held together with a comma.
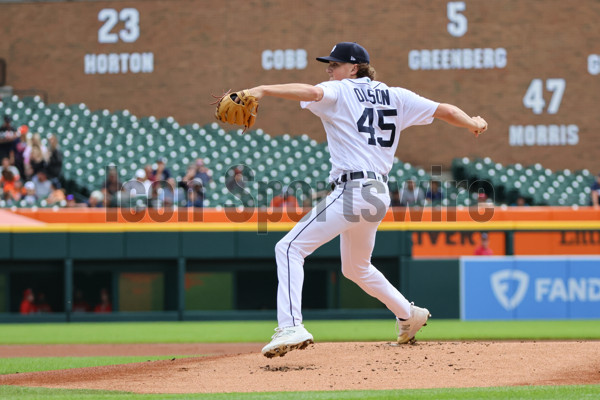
x: 365, y: 124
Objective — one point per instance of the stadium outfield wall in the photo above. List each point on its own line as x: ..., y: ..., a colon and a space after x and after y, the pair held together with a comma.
x: 186, y: 271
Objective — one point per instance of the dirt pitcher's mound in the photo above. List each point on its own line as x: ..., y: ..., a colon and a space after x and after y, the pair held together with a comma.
x: 345, y: 366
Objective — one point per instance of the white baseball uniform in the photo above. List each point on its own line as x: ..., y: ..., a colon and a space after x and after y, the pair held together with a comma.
x: 363, y: 120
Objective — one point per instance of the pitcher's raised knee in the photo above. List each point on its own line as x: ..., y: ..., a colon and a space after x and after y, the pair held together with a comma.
x: 354, y: 273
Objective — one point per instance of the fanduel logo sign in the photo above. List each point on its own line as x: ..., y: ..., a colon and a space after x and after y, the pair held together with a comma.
x: 546, y: 289
x: 572, y: 289
x: 527, y: 287
x: 501, y: 283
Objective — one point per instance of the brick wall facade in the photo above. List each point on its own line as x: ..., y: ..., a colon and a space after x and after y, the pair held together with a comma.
x: 204, y: 47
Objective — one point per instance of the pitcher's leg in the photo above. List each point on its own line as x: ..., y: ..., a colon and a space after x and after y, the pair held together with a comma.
x: 321, y: 225
x: 356, y: 246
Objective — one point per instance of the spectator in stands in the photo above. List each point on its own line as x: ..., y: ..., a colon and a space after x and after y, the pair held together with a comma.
x: 194, y: 196
x: 7, y: 124
x: 57, y: 194
x: 7, y: 165
x: 192, y: 182
x: 111, y: 186
x: 161, y: 173
x: 285, y: 199
x: 188, y: 178
x: 105, y: 305
x: 7, y: 137
x: 411, y: 194
x: 19, y: 148
x: 35, y: 155
x: 96, y: 199
x: 43, y: 186
x: 519, y: 202
x: 191, y: 177
x: 235, y: 183
x: 595, y: 192
x: 141, y: 175
x: 55, y: 158
x: 30, y: 195
x: 37, y: 161
x: 434, y: 193
x: 19, y: 192
x: 482, y: 198
x: 71, y: 202
x: 484, y: 248
x: 149, y: 173
x: 395, y: 198
x: 137, y: 191
x: 156, y: 194
x: 172, y: 194
x: 28, y: 302
x: 203, y: 173
x: 8, y: 183
x: 9, y: 180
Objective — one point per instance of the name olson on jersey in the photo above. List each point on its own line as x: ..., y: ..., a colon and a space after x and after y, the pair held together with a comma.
x: 437, y: 59
x: 377, y: 96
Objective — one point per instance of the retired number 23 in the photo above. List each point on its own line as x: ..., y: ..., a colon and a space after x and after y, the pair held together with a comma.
x: 365, y: 124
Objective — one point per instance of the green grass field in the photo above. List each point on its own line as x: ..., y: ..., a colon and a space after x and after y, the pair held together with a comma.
x: 513, y: 393
x: 260, y: 331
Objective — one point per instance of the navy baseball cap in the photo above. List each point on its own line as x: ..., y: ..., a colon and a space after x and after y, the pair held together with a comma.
x: 347, y: 52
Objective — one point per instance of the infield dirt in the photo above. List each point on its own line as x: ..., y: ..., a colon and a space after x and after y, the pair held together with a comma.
x: 324, y: 366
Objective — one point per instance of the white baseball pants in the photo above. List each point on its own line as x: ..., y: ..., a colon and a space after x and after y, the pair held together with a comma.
x: 353, y: 210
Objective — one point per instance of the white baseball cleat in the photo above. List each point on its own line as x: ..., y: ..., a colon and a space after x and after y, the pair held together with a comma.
x: 287, y: 339
x: 409, y: 328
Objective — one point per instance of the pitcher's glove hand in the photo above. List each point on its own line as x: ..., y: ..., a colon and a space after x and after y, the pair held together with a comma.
x: 239, y: 108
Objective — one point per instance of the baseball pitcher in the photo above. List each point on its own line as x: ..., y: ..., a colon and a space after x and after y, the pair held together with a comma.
x: 363, y: 119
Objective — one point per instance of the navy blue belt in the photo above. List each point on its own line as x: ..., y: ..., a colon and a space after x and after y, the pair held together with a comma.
x: 351, y: 176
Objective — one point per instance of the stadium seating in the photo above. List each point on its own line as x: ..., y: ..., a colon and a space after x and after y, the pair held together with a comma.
x: 93, y: 140
x: 536, y: 184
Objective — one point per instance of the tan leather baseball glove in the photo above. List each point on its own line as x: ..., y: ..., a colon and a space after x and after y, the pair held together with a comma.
x: 239, y: 108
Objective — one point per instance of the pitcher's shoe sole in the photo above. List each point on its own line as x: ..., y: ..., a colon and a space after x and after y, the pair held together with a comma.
x: 283, y: 349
